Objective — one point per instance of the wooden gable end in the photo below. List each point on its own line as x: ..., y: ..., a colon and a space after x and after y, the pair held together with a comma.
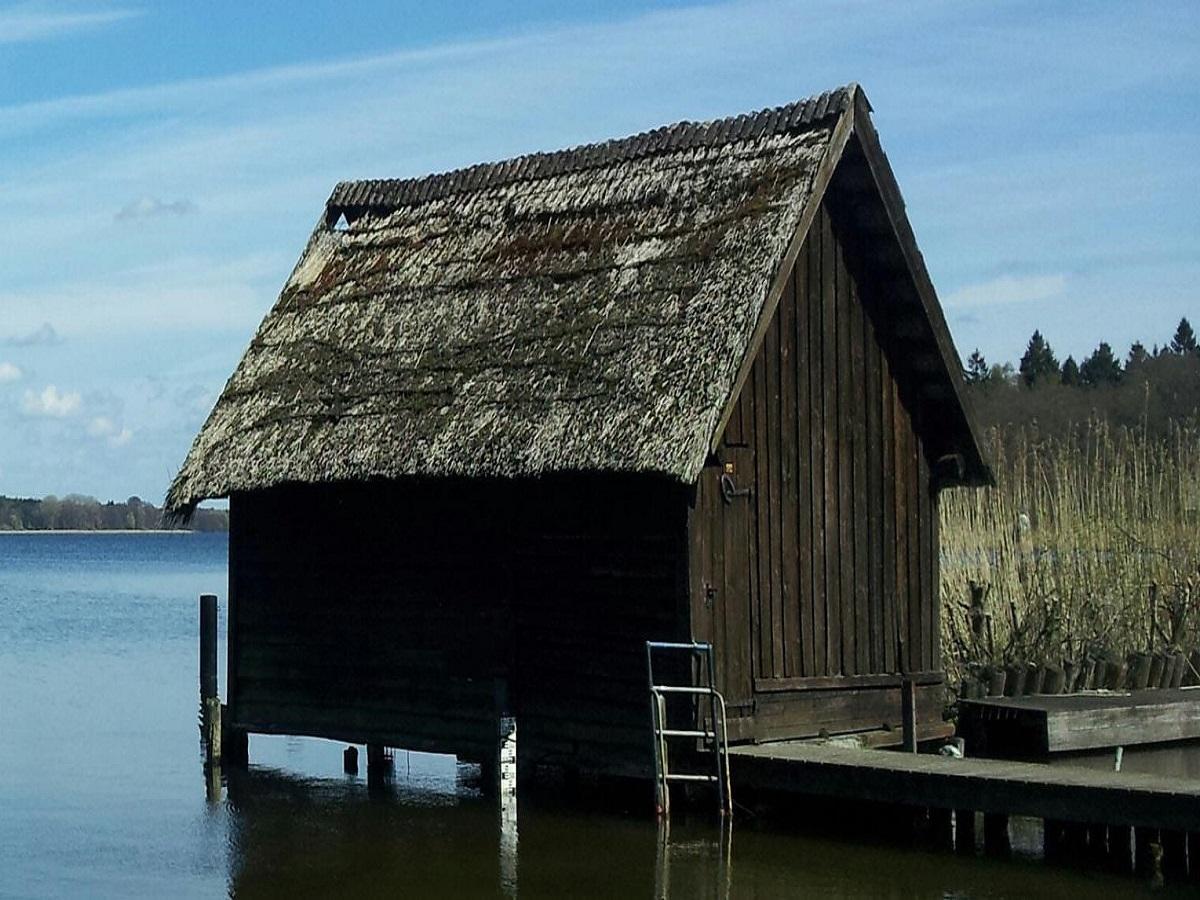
x: 815, y: 527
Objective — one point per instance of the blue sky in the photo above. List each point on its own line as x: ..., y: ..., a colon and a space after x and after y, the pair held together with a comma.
x: 161, y: 166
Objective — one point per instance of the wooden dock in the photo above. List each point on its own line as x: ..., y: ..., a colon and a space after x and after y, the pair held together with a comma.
x: 1039, y: 725
x: 993, y: 787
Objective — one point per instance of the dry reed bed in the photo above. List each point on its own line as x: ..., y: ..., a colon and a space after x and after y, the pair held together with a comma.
x: 1087, y: 549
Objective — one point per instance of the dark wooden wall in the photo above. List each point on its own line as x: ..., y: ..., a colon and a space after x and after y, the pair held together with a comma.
x: 822, y: 548
x: 397, y: 612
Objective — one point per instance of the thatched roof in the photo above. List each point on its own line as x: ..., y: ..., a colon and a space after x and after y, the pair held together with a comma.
x: 581, y: 310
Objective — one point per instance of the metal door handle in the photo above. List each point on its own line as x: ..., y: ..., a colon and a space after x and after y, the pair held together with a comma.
x: 729, y: 489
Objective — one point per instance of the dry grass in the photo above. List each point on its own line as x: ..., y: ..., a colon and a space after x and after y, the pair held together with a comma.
x: 1088, y: 545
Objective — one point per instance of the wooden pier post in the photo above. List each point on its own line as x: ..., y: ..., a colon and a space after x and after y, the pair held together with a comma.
x: 208, y: 646
x: 379, y: 764
x: 996, y: 841
x: 908, y: 714
x: 1193, y: 850
x: 1147, y: 853
x: 964, y: 831
x: 212, y: 730
x: 1174, y: 854
x: 350, y: 760
x: 1139, y: 671
x: 1120, y: 849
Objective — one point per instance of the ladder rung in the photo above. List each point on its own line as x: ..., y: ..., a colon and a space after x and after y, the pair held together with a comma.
x: 678, y: 732
x: 681, y: 689
x: 671, y: 776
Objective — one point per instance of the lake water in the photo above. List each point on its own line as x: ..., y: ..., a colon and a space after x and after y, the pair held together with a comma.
x: 103, y: 791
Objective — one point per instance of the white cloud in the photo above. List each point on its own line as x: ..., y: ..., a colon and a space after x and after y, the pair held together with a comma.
x: 104, y: 428
x: 1007, y: 289
x: 9, y: 372
x: 152, y: 207
x: 28, y: 22
x: 50, y: 402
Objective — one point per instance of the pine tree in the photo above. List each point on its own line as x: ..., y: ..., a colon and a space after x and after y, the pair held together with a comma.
x: 1137, y: 357
x: 1070, y: 372
x: 977, y: 368
x: 1039, y: 364
x: 1101, y: 367
x: 1185, y: 339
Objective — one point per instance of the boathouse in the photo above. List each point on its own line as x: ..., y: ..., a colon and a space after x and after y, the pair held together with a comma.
x: 507, y: 423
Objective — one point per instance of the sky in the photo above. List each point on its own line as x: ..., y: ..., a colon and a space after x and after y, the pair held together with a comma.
x: 162, y: 164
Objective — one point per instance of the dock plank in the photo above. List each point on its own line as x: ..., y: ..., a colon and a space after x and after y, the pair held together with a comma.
x: 989, y: 786
x: 1058, y: 723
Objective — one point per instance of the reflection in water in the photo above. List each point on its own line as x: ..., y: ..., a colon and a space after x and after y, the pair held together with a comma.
x: 709, y: 862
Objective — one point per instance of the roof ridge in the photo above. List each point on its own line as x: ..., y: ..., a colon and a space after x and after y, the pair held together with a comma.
x: 389, y: 193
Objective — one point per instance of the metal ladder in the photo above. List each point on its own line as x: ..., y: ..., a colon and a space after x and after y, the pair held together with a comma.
x: 717, y: 736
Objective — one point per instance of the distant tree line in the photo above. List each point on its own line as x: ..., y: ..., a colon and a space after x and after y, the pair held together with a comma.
x: 1147, y: 389
x: 76, y: 512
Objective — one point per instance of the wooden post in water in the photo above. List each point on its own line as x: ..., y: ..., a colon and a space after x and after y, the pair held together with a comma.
x: 995, y: 835
x: 1147, y: 854
x: 908, y: 714
x: 1139, y: 671
x: 1120, y: 848
x: 212, y: 730
x: 208, y: 646
x: 1174, y: 854
x: 964, y: 831
x: 1193, y: 849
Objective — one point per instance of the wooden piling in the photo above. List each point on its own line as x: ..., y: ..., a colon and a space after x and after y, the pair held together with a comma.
x: 1071, y: 671
x: 1054, y: 843
x: 1120, y: 849
x: 1139, y: 671
x: 1115, y: 675
x: 1053, y: 680
x: 1174, y: 854
x: 1179, y: 670
x: 995, y: 682
x: 941, y: 828
x: 1147, y: 853
x: 1033, y: 678
x: 1158, y: 662
x: 212, y: 730
x: 350, y: 760
x: 908, y: 712
x: 996, y: 841
x: 208, y: 646
x: 1193, y: 851
x: 964, y: 831
x: 1014, y: 680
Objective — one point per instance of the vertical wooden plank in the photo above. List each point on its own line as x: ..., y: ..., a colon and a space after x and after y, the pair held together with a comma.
x: 789, y: 499
x: 830, y: 424
x: 801, y: 435
x: 874, y: 454
x: 901, y: 473
x: 935, y: 576
x: 816, y: 445
x: 714, y: 519
x: 237, y: 532
x: 736, y: 516
x: 762, y: 506
x: 913, y: 543
x: 862, y: 630
x: 887, y: 435
x: 845, y: 430
x: 775, y: 493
